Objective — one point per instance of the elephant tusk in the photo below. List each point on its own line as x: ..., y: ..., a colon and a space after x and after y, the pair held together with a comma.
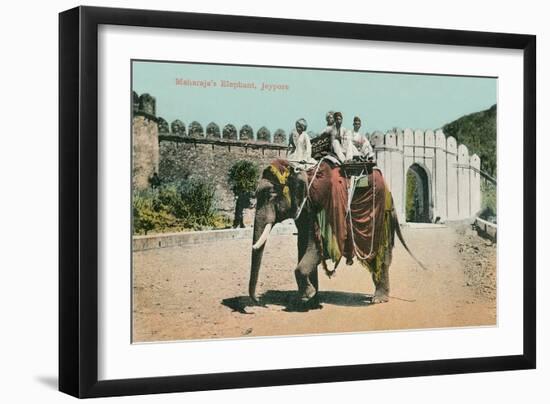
x: 263, y: 238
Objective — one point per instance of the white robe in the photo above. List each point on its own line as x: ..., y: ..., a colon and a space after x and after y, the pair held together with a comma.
x: 361, y: 144
x: 301, y: 150
x: 342, y: 144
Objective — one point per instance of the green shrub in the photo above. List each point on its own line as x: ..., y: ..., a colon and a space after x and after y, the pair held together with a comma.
x: 185, y: 205
x: 168, y: 199
x: 149, y: 216
x: 198, y: 198
x: 488, y: 200
x: 410, y: 209
x: 243, y: 176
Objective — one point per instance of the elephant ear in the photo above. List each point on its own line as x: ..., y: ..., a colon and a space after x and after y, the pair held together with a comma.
x: 265, y: 187
x: 275, y: 177
x: 298, y: 188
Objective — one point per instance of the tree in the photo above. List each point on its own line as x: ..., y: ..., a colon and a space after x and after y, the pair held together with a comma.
x: 243, y: 177
x: 478, y: 132
x: 410, y: 208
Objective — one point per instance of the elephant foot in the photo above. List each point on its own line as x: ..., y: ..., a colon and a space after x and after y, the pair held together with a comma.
x: 380, y: 299
x: 304, y: 303
x: 308, y: 294
x: 380, y: 296
x: 349, y: 261
x: 256, y: 300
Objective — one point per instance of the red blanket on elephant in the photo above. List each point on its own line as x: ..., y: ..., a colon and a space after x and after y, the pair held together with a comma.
x: 363, y: 230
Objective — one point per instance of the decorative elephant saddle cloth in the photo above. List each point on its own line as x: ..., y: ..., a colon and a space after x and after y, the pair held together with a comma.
x: 358, y: 228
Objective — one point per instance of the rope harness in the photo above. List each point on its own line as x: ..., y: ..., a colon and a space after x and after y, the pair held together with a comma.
x: 317, y: 165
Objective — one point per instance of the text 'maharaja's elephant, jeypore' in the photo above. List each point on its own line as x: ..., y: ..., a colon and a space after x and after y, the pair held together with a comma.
x: 317, y: 201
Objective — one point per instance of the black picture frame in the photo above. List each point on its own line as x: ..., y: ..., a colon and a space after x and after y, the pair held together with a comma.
x: 78, y: 200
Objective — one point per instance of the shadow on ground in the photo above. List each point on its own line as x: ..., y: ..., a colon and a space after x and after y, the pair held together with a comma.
x: 289, y: 300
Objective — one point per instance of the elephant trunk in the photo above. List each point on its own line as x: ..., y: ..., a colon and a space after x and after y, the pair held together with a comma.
x: 261, y: 232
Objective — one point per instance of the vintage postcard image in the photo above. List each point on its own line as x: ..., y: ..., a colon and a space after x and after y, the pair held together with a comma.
x: 273, y: 201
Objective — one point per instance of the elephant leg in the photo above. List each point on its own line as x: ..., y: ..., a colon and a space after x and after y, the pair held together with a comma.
x: 302, y: 248
x: 308, y: 258
x: 306, y: 272
x: 307, y: 280
x: 314, y: 278
x: 308, y: 283
x: 301, y: 281
x: 382, y: 284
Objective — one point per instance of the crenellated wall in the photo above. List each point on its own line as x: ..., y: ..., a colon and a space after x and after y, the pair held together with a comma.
x: 452, y: 175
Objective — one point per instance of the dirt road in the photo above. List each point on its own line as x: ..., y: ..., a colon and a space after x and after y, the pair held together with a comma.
x: 200, y: 291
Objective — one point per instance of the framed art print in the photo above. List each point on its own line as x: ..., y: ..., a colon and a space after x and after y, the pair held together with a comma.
x: 250, y: 201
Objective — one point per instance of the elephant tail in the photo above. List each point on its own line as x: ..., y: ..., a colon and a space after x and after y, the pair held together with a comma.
x: 397, y: 228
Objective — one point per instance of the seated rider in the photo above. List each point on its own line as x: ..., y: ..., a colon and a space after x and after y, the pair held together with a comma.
x: 299, y: 146
x: 361, y: 144
x: 330, y: 119
x: 340, y: 139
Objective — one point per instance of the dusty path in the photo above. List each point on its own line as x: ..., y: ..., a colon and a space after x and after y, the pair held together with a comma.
x: 200, y: 292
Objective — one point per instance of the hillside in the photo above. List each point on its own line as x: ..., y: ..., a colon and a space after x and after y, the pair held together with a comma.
x: 478, y: 131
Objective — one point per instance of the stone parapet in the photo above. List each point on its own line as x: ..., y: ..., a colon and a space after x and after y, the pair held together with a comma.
x: 150, y: 242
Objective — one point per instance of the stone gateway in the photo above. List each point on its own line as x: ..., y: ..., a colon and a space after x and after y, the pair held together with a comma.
x: 448, y: 177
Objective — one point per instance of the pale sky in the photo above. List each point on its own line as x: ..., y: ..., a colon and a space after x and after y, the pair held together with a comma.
x: 381, y: 100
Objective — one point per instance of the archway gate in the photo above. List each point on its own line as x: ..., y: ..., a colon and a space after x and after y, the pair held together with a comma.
x: 418, y: 198
x: 452, y: 174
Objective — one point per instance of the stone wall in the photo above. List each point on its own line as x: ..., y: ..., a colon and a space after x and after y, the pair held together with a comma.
x: 182, y: 157
x: 176, y: 153
x: 452, y: 175
x: 145, y: 151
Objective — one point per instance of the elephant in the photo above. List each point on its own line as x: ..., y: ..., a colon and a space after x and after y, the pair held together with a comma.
x: 278, y: 200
